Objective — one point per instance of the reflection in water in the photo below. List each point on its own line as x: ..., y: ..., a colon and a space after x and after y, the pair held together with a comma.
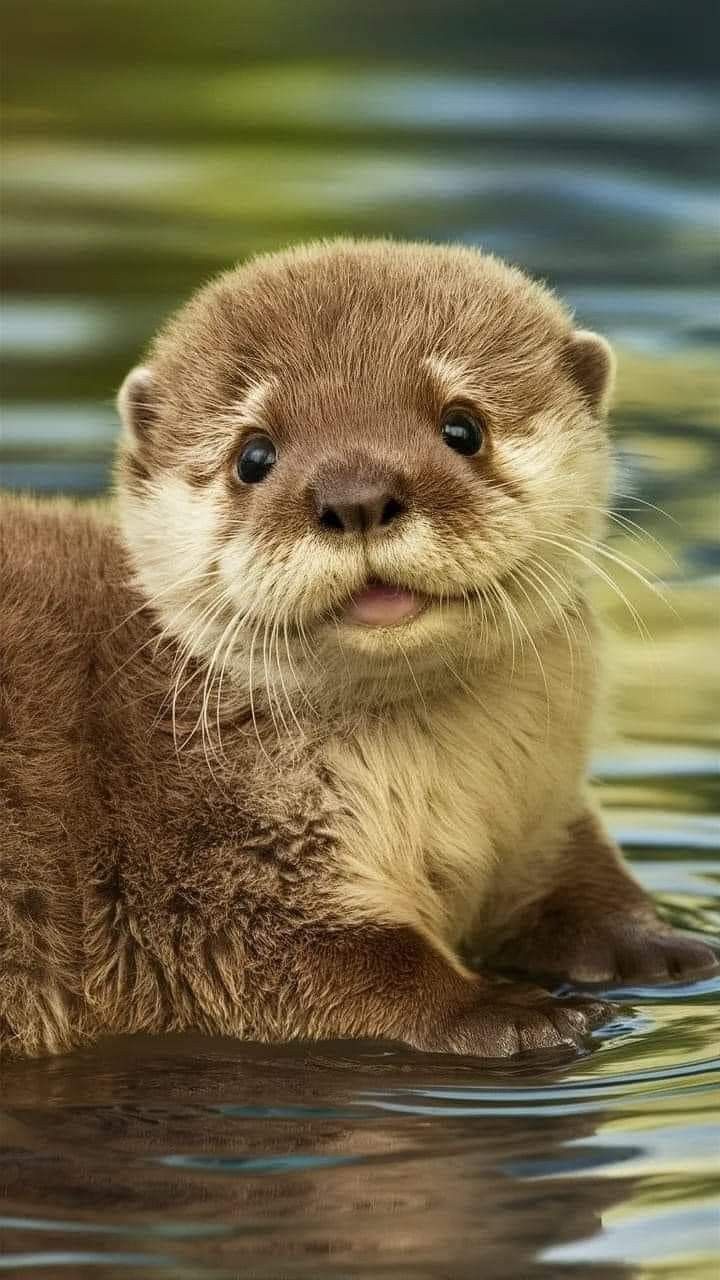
x: 196, y: 1153
x: 219, y: 1159
x: 135, y: 167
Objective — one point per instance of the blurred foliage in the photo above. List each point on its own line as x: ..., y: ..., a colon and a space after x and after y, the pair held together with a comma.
x: 645, y: 36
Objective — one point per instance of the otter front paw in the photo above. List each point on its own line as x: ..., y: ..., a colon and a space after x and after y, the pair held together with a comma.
x: 513, y: 1018
x: 611, y: 950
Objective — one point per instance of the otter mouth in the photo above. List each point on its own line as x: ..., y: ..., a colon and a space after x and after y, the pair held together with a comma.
x: 383, y: 604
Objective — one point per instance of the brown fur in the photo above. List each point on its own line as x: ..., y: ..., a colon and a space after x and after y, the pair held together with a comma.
x: 227, y: 810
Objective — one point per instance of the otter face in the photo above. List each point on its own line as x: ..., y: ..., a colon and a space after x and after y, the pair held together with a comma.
x: 372, y: 452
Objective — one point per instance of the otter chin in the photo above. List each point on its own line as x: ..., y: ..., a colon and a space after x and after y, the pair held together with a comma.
x: 300, y: 725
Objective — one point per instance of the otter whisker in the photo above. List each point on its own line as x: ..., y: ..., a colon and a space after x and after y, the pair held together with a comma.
x: 273, y: 700
x: 208, y: 616
x: 521, y: 624
x: 527, y: 575
x: 632, y: 497
x: 491, y: 606
x: 472, y: 693
x: 636, y: 532
x: 230, y: 630
x: 178, y: 686
x: 251, y: 690
x: 184, y: 649
x: 399, y: 645
x: 629, y: 527
x: 468, y: 615
x: 301, y: 689
x: 149, y: 601
x: 155, y: 638
x: 566, y: 588
x: 276, y: 634
x: 240, y: 618
x: 304, y: 644
x: 622, y: 563
x: 604, y: 577
x: 502, y: 603
x: 481, y: 602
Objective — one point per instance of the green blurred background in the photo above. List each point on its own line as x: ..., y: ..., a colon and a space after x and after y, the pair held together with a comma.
x: 148, y: 145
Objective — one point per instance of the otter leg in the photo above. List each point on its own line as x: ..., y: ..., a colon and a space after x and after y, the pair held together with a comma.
x: 41, y: 1004
x: 376, y: 981
x: 40, y: 999
x: 597, y: 924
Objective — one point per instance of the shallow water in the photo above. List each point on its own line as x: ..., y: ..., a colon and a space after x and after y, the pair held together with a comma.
x: 136, y: 167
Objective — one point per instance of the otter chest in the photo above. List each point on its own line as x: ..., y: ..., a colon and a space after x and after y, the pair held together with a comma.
x: 430, y: 807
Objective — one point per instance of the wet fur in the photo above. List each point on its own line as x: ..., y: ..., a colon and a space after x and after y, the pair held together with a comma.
x: 296, y: 837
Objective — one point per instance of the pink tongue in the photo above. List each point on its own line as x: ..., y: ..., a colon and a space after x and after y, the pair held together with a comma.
x: 381, y: 606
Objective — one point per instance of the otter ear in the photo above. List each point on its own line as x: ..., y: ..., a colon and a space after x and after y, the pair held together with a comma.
x: 136, y: 402
x: 592, y: 365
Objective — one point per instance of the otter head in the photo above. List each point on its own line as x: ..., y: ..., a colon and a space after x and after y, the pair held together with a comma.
x: 362, y: 458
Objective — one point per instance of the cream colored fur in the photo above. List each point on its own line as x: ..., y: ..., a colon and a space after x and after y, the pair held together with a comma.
x: 451, y: 811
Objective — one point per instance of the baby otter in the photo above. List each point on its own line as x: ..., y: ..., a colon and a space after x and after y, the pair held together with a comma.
x: 315, y: 718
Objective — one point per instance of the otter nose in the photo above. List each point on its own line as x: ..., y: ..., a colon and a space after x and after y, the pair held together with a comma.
x: 356, y: 506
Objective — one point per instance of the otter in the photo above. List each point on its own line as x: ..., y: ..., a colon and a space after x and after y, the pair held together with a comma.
x: 303, y: 723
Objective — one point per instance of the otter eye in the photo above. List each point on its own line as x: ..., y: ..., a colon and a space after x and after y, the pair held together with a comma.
x: 255, y: 460
x: 462, y: 431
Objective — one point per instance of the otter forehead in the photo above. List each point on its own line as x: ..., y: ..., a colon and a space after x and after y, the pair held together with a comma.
x: 379, y: 319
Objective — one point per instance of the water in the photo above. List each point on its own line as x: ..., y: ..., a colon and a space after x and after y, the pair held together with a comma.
x: 149, y: 145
